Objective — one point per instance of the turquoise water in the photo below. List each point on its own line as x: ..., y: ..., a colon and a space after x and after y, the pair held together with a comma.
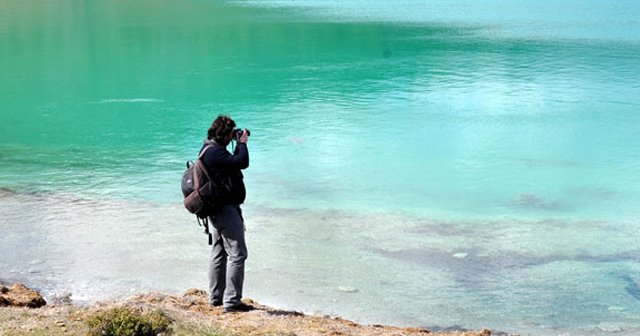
x: 459, y: 165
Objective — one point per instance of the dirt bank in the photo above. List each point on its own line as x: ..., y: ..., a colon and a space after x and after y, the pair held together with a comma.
x: 190, y: 314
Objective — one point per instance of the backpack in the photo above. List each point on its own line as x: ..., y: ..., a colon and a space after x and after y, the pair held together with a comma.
x: 202, y: 193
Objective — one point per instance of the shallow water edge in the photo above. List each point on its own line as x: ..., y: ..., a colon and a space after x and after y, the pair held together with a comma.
x: 366, y: 266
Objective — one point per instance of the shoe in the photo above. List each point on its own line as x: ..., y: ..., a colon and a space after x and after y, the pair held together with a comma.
x: 239, y: 308
x: 216, y: 303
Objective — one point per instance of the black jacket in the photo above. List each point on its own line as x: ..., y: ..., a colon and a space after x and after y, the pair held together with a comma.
x: 224, y: 164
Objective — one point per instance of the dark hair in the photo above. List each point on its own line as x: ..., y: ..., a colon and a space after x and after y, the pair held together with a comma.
x: 220, y: 128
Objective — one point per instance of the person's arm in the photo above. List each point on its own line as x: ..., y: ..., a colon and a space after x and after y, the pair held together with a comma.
x: 240, y: 160
x: 220, y: 158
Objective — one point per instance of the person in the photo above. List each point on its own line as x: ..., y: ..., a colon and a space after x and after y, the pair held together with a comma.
x: 229, y: 252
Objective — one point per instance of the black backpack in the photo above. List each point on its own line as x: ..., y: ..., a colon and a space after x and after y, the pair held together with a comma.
x: 203, y: 193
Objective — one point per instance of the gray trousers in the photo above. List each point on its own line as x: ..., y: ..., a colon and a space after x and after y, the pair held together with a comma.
x: 226, y: 266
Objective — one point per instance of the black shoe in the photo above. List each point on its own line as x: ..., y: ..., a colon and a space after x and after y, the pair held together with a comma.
x: 216, y: 303
x: 239, y: 308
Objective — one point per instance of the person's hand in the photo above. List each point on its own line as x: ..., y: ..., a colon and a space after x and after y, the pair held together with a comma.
x: 244, y: 138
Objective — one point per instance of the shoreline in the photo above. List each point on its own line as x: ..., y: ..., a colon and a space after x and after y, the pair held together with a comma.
x: 190, y: 314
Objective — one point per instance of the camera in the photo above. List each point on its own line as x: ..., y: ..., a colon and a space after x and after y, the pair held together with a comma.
x: 238, y: 132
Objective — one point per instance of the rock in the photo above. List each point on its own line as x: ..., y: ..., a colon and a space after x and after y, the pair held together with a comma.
x: 616, y: 309
x: 63, y: 298
x: 20, y: 296
x: 416, y: 330
x: 609, y: 327
x: 195, y: 292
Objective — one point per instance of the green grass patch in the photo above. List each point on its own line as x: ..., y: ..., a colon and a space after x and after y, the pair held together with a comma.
x: 128, y: 322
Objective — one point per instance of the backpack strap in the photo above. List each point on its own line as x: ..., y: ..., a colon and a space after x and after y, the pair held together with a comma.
x: 200, y: 165
x: 205, y: 223
x: 204, y: 151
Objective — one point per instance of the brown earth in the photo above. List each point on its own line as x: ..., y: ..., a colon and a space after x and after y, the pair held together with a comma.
x: 20, y: 296
x: 192, y: 315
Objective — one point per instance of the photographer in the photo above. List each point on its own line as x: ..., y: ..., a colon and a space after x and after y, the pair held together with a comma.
x: 226, y: 267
